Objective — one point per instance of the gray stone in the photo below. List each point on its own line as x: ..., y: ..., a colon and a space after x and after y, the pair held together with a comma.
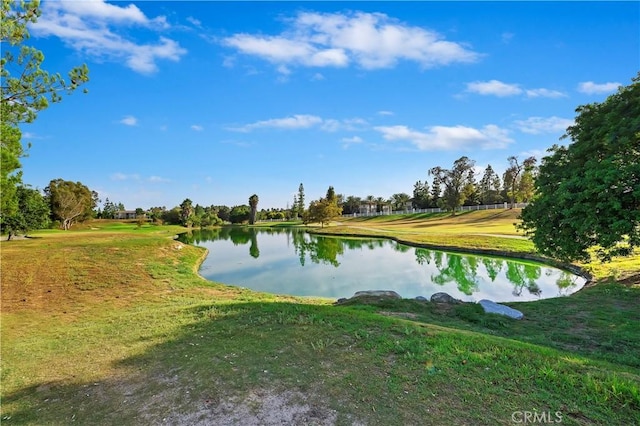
x: 442, y: 297
x: 422, y: 298
x: 378, y: 293
x: 496, y: 308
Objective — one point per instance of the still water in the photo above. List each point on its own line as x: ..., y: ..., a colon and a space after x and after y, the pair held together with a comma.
x: 291, y: 261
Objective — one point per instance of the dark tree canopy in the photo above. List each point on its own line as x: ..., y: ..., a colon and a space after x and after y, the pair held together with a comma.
x: 253, y: 204
x: 456, y: 182
x: 70, y: 202
x: 589, y: 192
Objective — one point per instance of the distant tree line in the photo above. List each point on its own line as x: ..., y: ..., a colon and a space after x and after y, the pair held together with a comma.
x: 584, y: 196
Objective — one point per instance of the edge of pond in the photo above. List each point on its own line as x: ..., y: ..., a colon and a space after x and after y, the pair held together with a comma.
x: 574, y: 269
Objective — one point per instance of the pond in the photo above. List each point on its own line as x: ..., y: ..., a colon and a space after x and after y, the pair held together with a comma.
x: 291, y: 261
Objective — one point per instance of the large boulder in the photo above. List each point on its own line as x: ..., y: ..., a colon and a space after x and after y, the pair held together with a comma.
x: 383, y: 294
x: 442, y: 297
x: 370, y: 296
x: 491, y: 307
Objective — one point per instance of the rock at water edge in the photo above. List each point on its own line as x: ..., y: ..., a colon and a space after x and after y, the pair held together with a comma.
x: 491, y: 307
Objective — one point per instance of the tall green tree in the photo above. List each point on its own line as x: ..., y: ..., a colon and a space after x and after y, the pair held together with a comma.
x: 25, y: 90
x: 421, y: 198
x: 351, y: 204
x: 489, y: 188
x: 109, y: 209
x: 239, y: 214
x: 513, y: 179
x: 301, y: 205
x: 588, y: 193
x: 32, y: 213
x: 455, y: 182
x: 399, y: 201
x: 70, y: 202
x: 294, y: 208
x: 253, y: 204
x: 10, y: 174
x: 186, y: 212
x: 436, y: 193
x: 323, y: 210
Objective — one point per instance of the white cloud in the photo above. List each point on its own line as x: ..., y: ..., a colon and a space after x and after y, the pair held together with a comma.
x: 129, y: 120
x: 538, y: 153
x: 354, y: 139
x: 158, y: 179
x: 385, y: 113
x: 317, y: 77
x: 197, y: 127
x: 194, y: 21
x: 304, y: 121
x: 121, y: 176
x: 370, y: 40
x: 591, y: 88
x: 538, y: 125
x: 449, y: 138
x: 506, y: 37
x: 91, y: 27
x: 545, y: 93
x: 347, y: 142
x: 494, y: 87
x: 298, y: 121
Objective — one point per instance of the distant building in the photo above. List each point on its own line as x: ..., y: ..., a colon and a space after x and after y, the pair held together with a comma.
x: 126, y: 214
x: 369, y: 207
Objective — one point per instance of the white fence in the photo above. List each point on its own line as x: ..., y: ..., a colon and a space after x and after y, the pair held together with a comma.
x: 413, y: 211
x: 439, y: 210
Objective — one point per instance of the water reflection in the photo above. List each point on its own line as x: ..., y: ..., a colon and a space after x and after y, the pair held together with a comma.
x: 291, y: 261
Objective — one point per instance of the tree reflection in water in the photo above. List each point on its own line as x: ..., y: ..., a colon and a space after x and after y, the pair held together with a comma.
x: 469, y: 274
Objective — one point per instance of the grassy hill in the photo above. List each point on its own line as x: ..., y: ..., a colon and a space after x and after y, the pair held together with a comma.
x: 112, y: 325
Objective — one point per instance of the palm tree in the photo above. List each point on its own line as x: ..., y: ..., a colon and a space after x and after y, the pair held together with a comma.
x: 253, y: 203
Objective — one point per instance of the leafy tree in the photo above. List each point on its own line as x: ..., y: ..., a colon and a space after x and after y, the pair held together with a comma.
x: 351, y: 204
x: 10, y: 174
x: 421, y: 198
x: 29, y: 89
x: 323, y: 210
x: 253, y: 204
x: 294, y: 208
x: 455, y: 181
x: 331, y: 195
x: 489, y: 188
x: 223, y: 213
x: 436, y: 192
x: 186, y: 212
x: 109, y: 209
x: 400, y: 200
x: 172, y: 217
x: 301, y: 199
x: 32, y: 212
x: 512, y: 178
x: 239, y: 214
x: 25, y: 89
x: 588, y: 193
x: 155, y: 214
x: 526, y: 186
x: 69, y: 202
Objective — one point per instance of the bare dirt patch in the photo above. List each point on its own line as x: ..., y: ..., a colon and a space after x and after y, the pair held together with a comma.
x: 260, y: 407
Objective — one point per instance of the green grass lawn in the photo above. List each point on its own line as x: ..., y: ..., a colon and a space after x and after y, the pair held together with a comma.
x: 114, y: 326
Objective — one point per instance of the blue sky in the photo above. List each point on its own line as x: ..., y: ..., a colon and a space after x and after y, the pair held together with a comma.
x: 216, y: 101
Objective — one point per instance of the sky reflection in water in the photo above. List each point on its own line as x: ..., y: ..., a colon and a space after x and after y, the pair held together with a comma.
x: 290, y: 261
